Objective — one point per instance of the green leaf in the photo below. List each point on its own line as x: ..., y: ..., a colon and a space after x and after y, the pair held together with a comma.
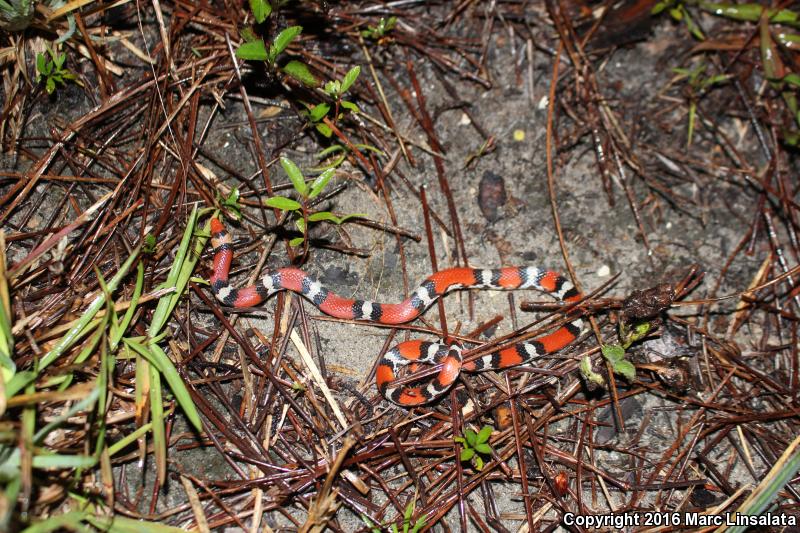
x: 467, y: 454
x: 284, y: 39
x: 282, y: 203
x: 320, y: 182
x: 478, y: 463
x: 295, y: 176
x: 50, y: 85
x: 333, y: 88
x: 323, y: 215
x: 252, y: 51
x: 297, y: 241
x: 261, y: 10
x: 324, y: 129
x: 330, y: 150
x: 624, y: 368
x: 613, y: 352
x: 350, y: 78
x: 484, y: 434
x: 299, y: 71
x: 792, y: 79
x: 318, y: 112
x: 350, y: 106
x: 41, y: 63
x: 348, y: 217
x: 471, y: 436
x: 300, y: 224
x: 659, y: 7
x: 483, y: 448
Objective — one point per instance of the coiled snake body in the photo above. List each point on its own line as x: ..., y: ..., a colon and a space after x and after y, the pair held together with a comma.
x: 413, y: 352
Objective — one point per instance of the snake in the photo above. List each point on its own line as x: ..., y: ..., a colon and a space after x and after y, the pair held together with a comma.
x: 414, y: 352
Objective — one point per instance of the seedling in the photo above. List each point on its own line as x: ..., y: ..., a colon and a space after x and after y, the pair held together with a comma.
x: 379, y: 32
x: 254, y: 49
x: 301, y: 209
x: 473, y: 445
x: 699, y: 86
x: 407, y: 526
x: 52, y: 69
x: 335, y: 90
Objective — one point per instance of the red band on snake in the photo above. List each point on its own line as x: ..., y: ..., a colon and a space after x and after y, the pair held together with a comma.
x: 411, y: 352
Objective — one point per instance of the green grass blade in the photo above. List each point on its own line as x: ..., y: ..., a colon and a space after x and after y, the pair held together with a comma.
x: 157, y: 419
x: 157, y: 357
x: 129, y: 439
x: 83, y: 405
x: 69, y: 339
x: 178, y: 276
x: 767, y: 490
x: 134, y: 303
x: 64, y: 461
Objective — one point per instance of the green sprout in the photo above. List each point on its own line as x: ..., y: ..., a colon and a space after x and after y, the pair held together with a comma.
x: 699, y: 86
x: 52, y: 69
x: 335, y: 89
x: 301, y: 209
x: 379, y: 32
x: 615, y: 353
x: 473, y: 445
x: 254, y: 49
x: 231, y: 203
x: 407, y: 526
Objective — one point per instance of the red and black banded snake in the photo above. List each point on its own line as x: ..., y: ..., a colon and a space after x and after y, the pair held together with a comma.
x: 413, y: 352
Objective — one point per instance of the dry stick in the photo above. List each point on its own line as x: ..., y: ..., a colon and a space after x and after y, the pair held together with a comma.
x: 104, y: 81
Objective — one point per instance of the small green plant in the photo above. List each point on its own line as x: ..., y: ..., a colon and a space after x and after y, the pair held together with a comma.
x: 335, y: 89
x: 301, y: 209
x: 254, y: 49
x: 615, y: 353
x: 52, y: 69
x: 677, y: 10
x: 407, y: 526
x: 473, y: 445
x: 699, y: 86
x: 231, y: 203
x: 379, y: 32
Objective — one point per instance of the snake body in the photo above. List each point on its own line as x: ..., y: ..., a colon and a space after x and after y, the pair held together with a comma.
x: 413, y: 352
